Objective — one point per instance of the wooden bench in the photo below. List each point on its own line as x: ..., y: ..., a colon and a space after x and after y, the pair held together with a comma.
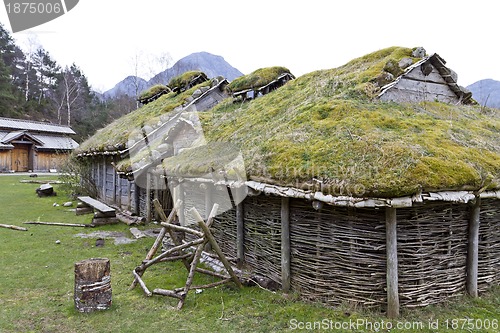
x: 103, y: 214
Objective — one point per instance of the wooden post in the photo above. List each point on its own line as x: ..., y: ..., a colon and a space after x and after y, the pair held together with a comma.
x: 392, y: 262
x: 285, y: 244
x: 148, y: 197
x: 240, y: 235
x: 180, y: 212
x: 92, y: 285
x: 473, y: 249
x: 209, y: 190
x: 104, y: 176
x: 115, y: 179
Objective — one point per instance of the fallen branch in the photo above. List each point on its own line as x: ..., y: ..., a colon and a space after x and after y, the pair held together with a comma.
x: 13, y: 227
x: 63, y: 224
x: 33, y: 181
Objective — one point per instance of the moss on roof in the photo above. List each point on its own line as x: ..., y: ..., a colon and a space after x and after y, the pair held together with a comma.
x: 116, y: 135
x: 325, y: 127
x: 257, y: 78
x: 179, y: 82
x: 148, y: 93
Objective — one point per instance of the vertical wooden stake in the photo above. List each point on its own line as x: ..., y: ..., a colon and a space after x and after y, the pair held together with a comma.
x: 392, y: 262
x: 148, y: 198
x: 180, y: 212
x: 473, y: 249
x: 285, y: 244
x: 114, y: 186
x: 104, y: 177
x: 240, y: 235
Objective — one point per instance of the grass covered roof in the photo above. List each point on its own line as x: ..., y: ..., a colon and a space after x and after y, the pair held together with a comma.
x: 116, y: 135
x: 326, y: 127
x: 257, y: 78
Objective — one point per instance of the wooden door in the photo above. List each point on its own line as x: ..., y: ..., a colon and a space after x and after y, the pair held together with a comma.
x: 20, y: 158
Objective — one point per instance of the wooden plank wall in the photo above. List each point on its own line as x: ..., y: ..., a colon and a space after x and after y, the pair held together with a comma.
x: 5, y: 163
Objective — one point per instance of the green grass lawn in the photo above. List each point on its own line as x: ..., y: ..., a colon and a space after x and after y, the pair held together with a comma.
x: 37, y: 281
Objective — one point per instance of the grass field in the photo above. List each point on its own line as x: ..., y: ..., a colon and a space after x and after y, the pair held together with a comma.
x: 37, y: 281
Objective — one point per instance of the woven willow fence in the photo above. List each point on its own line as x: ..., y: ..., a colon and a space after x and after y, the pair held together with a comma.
x: 338, y: 255
x: 489, y: 245
x: 432, y: 252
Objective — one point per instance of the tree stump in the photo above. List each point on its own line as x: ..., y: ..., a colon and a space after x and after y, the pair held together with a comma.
x: 92, y: 285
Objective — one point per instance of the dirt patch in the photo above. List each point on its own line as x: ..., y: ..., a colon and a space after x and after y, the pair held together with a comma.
x: 119, y: 237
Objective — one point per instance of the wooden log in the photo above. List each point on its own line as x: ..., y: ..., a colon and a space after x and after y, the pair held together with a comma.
x: 98, y: 214
x: 164, y: 292
x: 240, y: 235
x: 175, y: 227
x: 165, y: 254
x: 92, y: 285
x: 206, y: 286
x: 158, y: 240
x: 77, y: 225
x: 84, y: 210
x: 163, y: 217
x: 129, y: 219
x: 104, y: 221
x: 13, y: 227
x: 473, y: 249
x: 216, y: 248
x: 392, y: 263
x: 141, y: 283
x: 285, y: 244
x: 189, y: 281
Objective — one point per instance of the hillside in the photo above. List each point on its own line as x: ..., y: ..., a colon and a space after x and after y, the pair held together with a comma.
x: 211, y: 65
x: 486, y: 92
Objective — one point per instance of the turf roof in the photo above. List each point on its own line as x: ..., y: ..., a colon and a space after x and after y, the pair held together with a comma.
x: 326, y: 128
x: 257, y: 78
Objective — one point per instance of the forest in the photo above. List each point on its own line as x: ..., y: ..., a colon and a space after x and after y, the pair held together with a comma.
x: 33, y: 86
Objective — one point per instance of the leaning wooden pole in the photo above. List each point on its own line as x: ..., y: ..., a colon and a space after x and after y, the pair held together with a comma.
x: 285, y: 244
x: 473, y: 249
x: 392, y: 263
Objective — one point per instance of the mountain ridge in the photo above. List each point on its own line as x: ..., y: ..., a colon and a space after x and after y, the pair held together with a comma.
x: 486, y: 92
x: 212, y: 65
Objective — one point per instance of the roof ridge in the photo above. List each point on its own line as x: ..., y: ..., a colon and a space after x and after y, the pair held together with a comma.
x: 34, y: 122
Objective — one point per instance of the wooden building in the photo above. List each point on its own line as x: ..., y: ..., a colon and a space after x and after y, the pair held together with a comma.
x: 33, y: 146
x: 360, y: 188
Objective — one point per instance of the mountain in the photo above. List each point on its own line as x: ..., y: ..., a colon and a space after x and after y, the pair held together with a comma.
x: 486, y: 92
x: 212, y: 65
x: 131, y: 86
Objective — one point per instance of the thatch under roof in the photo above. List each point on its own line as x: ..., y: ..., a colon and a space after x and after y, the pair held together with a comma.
x: 327, y: 128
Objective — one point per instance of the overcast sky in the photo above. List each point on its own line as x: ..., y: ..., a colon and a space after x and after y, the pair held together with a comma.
x: 103, y: 36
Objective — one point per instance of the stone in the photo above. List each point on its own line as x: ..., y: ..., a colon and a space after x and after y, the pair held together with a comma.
x: 197, y: 93
x: 405, y: 62
x: 418, y: 52
x: 67, y: 204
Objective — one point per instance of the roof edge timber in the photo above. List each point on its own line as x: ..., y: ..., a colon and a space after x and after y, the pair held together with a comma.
x: 463, y: 197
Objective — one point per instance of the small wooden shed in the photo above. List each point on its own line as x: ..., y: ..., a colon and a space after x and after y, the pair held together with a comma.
x: 33, y: 146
